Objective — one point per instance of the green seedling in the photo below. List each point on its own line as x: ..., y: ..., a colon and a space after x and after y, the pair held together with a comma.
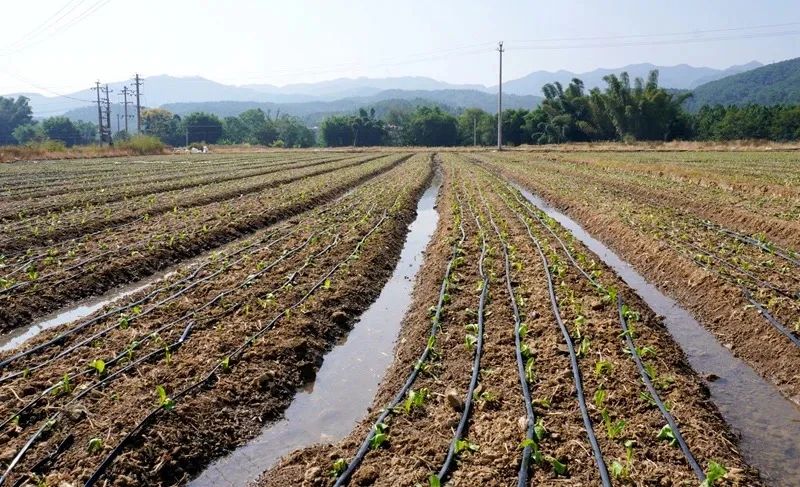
x: 530, y: 373
x: 465, y: 445
x: 327, y: 284
x: 629, y: 314
x: 225, y: 363
x: 558, y: 467
x: 583, y: 348
x: 433, y: 481
x: 539, y: 430
x: 667, y: 434
x: 64, y: 386
x: 380, y: 437
x: 98, y: 365
x: 124, y: 322
x: 163, y: 400
x: 613, y: 428
x: 95, y: 445
x: 338, y: 468
x: 542, y: 403
x: 603, y: 367
x: 714, y: 472
x: 618, y: 470
x: 536, y: 454
x: 415, y: 400
x: 600, y: 398
x: 470, y: 341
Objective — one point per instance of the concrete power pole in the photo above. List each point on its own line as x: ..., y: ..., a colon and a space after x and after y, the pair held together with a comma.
x: 100, y: 129
x: 125, y: 103
x: 108, y: 114
x: 138, y: 82
x: 500, y: 100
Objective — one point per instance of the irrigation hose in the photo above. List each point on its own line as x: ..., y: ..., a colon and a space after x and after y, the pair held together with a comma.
x: 363, y: 449
x: 524, y: 467
x: 476, y: 363
x: 108, y: 460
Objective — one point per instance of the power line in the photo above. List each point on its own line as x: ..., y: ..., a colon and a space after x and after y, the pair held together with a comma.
x: 666, y: 42
x: 666, y: 34
x: 52, y: 20
x: 61, y: 28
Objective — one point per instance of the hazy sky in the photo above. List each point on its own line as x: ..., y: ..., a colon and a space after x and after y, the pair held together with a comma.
x: 63, y: 45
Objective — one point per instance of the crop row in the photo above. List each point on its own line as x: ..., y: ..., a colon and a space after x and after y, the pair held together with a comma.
x: 75, y: 269
x: 55, y: 227
x: 74, y: 197
x: 741, y: 284
x: 246, y: 331
x: 600, y: 393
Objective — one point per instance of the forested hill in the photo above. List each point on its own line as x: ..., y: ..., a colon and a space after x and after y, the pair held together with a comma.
x: 773, y: 84
x: 313, y: 112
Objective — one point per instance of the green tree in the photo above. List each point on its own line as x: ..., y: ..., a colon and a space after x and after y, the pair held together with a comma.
x: 87, y: 131
x: 29, y: 133
x: 163, y: 124
x: 293, y: 132
x: 61, y: 128
x: 362, y: 130
x: 481, y: 123
x: 431, y: 127
x: 202, y: 127
x: 259, y: 127
x: 234, y: 131
x: 13, y: 113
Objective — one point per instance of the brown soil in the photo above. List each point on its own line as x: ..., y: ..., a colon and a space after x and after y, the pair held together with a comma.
x: 134, y: 260
x: 216, y: 418
x: 718, y: 305
x: 418, y: 440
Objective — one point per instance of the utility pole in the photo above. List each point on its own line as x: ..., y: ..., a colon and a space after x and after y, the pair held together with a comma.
x: 99, y: 112
x: 125, y: 103
x: 108, y: 115
x: 138, y: 82
x: 118, y: 123
x: 500, y: 100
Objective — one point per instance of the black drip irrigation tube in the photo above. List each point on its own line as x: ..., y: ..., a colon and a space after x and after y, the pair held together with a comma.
x: 635, y: 354
x: 62, y: 336
x: 576, y: 373
x: 208, y: 379
x: 524, y: 467
x: 698, y: 471
x: 633, y: 351
x: 785, y: 254
x: 476, y: 363
x: 762, y: 309
x: 355, y: 462
x: 107, y: 330
x: 51, y: 421
x: 141, y: 339
x: 771, y: 319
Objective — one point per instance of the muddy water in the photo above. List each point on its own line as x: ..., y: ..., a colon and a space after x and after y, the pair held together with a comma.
x: 76, y: 311
x: 346, y: 383
x: 768, y: 423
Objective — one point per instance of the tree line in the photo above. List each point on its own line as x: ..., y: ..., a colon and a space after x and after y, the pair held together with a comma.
x: 625, y: 110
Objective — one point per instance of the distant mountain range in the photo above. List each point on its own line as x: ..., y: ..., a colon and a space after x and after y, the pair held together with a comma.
x: 777, y: 83
x: 681, y: 76
x: 311, y: 101
x: 312, y: 112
